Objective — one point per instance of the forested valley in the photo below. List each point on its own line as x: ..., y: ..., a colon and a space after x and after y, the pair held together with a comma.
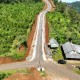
x: 64, y: 23
x: 16, y: 19
x: 75, y: 5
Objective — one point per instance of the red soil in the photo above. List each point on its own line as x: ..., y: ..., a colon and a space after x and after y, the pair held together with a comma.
x: 31, y: 35
x: 53, y: 6
x: 21, y: 49
x: 46, y: 25
x: 47, y: 32
x: 34, y: 75
x: 44, y: 6
x: 4, y: 60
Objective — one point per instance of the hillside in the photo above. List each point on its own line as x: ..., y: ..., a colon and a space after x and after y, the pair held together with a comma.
x: 16, y: 21
x: 64, y: 24
x: 75, y: 5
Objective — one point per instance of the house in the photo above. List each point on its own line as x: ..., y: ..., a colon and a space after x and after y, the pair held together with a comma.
x: 53, y: 43
x: 71, y: 51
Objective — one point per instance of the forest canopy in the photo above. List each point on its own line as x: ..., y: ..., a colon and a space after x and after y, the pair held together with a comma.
x: 75, y: 5
x: 10, y: 1
x: 64, y: 23
x: 16, y: 23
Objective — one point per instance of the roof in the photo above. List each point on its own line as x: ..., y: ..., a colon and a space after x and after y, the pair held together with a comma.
x: 71, y: 50
x: 77, y: 48
x: 67, y: 47
x: 53, y: 41
x: 73, y: 55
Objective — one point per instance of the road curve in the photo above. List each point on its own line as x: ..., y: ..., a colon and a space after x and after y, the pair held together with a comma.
x: 37, y: 48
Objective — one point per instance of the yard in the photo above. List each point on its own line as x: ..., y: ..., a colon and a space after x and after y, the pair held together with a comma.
x: 57, y: 54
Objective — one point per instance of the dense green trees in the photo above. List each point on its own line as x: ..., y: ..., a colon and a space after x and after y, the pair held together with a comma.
x: 3, y: 75
x: 9, y: 1
x: 55, y: 1
x: 15, y: 24
x: 75, y: 5
x: 64, y: 24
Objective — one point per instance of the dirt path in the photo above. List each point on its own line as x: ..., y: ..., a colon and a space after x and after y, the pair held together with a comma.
x: 30, y: 38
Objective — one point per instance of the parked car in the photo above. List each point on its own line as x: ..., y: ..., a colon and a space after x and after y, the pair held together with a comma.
x: 61, y: 62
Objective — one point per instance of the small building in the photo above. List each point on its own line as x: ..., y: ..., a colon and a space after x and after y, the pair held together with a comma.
x: 71, y: 51
x: 53, y: 43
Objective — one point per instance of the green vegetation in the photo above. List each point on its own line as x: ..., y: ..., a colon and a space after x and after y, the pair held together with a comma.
x: 75, y: 5
x: 57, y: 55
x: 18, y: 55
x: 3, y: 75
x: 17, y: 1
x: 43, y: 73
x: 16, y: 21
x: 77, y: 70
x: 64, y: 24
x: 55, y: 1
x: 7, y: 73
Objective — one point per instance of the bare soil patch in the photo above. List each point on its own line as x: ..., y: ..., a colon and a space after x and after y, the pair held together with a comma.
x: 47, y: 32
x: 5, y: 60
x: 53, y: 5
x: 30, y: 38
x: 33, y: 75
x: 46, y: 25
x: 44, y: 6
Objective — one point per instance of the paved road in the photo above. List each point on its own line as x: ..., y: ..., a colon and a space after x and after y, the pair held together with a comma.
x: 37, y: 49
x: 56, y: 70
x: 38, y: 44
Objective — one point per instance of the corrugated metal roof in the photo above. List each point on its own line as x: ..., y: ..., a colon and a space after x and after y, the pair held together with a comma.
x: 77, y: 48
x: 67, y: 47
x: 71, y: 50
x: 53, y: 41
x: 73, y: 54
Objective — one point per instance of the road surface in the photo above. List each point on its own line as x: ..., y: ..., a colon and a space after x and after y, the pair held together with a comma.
x: 37, y: 50
x: 53, y: 69
x: 38, y: 54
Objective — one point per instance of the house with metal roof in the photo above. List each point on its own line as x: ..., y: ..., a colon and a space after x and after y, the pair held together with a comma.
x: 53, y: 43
x: 71, y: 51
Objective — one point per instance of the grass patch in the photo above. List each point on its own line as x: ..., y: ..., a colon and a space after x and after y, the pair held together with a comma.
x: 18, y: 56
x: 7, y: 73
x: 77, y: 71
x: 57, y: 54
x: 43, y: 73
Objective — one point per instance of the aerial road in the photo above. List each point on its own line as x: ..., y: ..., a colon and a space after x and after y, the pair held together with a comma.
x: 37, y: 50
x: 37, y: 54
